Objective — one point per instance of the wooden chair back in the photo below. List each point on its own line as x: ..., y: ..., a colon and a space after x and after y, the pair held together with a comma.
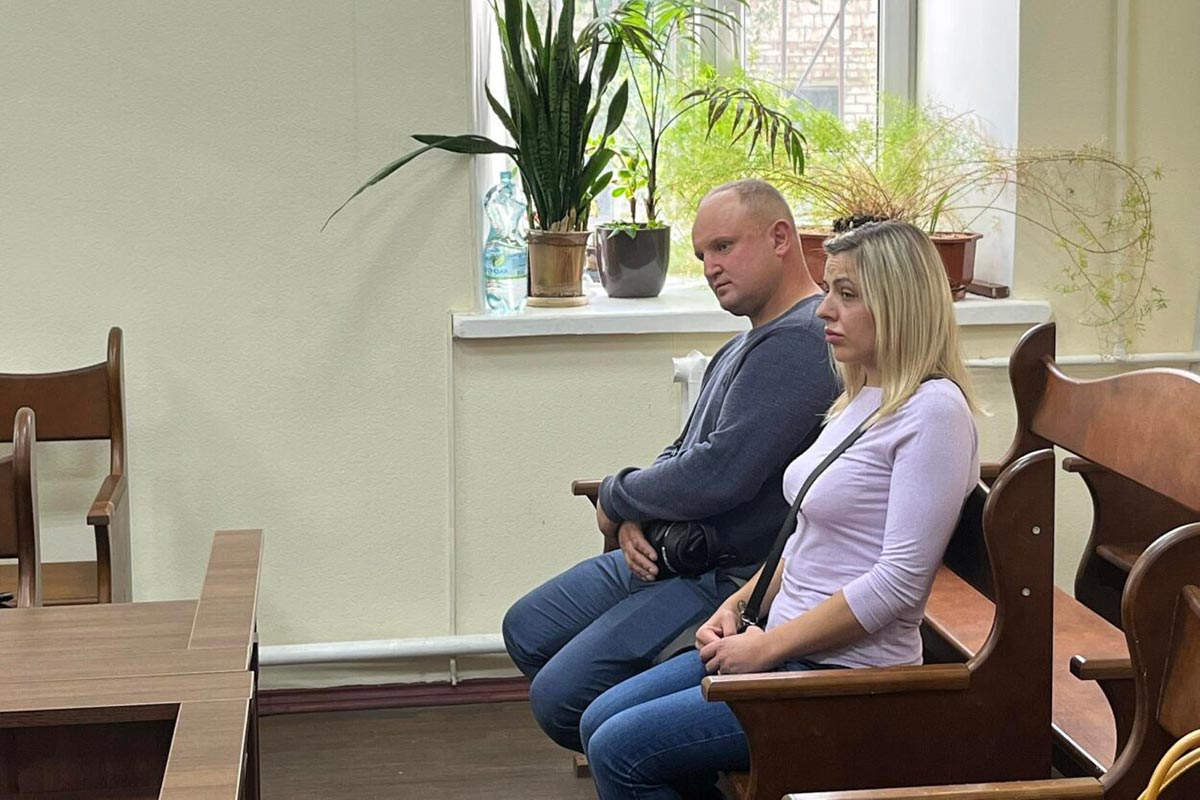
x: 83, y: 404
x: 19, y: 510
x: 79, y: 404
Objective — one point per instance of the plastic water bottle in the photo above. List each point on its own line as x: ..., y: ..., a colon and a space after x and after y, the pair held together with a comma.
x: 505, y: 254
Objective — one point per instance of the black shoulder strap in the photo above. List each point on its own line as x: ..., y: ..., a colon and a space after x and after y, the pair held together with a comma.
x: 750, y: 613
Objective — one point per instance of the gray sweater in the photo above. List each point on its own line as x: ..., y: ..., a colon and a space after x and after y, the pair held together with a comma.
x: 764, y: 396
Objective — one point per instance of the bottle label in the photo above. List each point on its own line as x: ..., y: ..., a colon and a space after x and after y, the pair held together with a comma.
x: 502, y: 263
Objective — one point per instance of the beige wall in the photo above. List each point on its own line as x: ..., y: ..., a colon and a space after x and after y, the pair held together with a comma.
x: 166, y: 167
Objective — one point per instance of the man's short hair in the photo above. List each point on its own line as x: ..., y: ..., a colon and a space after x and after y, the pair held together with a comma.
x: 760, y: 198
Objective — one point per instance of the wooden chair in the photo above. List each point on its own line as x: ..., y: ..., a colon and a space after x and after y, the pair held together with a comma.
x: 82, y: 404
x: 1161, y: 612
x: 19, y: 511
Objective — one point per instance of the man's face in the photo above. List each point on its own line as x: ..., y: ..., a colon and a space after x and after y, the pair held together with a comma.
x: 741, y: 264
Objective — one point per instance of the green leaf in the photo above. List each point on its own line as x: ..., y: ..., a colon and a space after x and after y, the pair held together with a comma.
x: 454, y: 144
x: 501, y: 113
x: 616, y: 109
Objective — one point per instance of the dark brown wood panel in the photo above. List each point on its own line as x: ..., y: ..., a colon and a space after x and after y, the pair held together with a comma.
x: 1122, y: 422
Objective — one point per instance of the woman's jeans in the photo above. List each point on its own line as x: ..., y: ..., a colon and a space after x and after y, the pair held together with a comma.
x: 655, y: 737
x: 595, y: 625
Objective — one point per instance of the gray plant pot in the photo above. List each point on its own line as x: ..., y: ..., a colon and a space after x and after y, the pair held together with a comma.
x: 633, y: 266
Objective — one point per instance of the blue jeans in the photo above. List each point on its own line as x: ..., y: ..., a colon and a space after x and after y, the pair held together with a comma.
x: 592, y: 627
x: 655, y: 737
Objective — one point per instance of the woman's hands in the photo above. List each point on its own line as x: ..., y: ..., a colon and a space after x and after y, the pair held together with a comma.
x: 738, y: 653
x: 721, y: 624
x: 724, y: 650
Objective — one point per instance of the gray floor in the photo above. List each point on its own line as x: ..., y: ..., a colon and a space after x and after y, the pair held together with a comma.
x: 444, y: 752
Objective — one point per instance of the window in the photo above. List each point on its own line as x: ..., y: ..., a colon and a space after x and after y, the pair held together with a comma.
x: 836, y: 54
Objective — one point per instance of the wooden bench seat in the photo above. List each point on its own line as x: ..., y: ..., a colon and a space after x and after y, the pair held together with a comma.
x: 1083, y: 721
x: 1122, y: 556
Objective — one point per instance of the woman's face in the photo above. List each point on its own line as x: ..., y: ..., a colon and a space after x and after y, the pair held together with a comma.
x: 849, y: 326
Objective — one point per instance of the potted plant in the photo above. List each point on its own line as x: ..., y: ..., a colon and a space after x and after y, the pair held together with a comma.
x: 555, y: 85
x: 938, y: 170
x: 634, y: 256
x: 914, y: 166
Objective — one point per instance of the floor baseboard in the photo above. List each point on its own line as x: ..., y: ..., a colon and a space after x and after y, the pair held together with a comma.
x: 391, y: 695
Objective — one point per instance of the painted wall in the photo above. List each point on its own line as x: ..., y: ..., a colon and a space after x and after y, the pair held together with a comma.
x: 967, y: 62
x: 166, y: 167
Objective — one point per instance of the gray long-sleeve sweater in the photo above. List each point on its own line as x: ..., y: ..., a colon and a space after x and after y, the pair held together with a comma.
x: 761, y: 404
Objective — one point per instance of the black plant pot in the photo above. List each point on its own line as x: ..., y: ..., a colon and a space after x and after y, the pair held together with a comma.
x: 633, y: 264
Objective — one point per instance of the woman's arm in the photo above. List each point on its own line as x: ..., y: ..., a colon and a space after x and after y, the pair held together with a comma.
x: 828, y: 626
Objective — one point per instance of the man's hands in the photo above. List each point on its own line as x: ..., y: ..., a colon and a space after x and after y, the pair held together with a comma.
x: 738, y: 653
x: 639, y: 555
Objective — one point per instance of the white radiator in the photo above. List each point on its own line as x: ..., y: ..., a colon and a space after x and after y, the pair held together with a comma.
x: 689, y: 371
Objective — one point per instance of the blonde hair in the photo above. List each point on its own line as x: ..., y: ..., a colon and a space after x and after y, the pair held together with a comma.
x: 904, y: 286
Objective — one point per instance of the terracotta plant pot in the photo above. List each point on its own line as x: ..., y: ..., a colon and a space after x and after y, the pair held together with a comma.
x: 633, y: 266
x: 556, y: 268
x: 956, y: 249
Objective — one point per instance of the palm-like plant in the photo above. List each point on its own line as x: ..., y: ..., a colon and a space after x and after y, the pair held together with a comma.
x: 660, y: 24
x: 554, y: 94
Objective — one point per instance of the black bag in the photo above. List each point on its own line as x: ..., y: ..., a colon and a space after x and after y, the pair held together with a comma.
x: 685, y: 548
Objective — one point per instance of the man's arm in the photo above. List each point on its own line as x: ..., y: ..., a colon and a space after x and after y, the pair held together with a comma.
x: 777, y: 397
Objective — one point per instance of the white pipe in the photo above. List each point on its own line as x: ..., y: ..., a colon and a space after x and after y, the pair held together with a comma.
x: 381, y: 649
x: 1192, y: 357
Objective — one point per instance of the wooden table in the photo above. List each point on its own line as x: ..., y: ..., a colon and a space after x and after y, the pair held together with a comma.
x: 136, y: 700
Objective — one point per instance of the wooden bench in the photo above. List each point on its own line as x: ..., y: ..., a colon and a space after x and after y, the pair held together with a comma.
x: 1144, y: 429
x: 1088, y: 722
x: 1126, y: 519
x: 1161, y: 609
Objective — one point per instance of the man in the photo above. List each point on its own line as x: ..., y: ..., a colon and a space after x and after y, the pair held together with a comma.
x: 761, y: 404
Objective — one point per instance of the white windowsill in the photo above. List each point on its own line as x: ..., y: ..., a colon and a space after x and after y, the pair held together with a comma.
x: 687, y: 308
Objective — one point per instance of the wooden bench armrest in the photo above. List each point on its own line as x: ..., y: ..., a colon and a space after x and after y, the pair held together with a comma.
x: 1101, y: 669
x: 588, y: 489
x: 989, y: 471
x: 111, y: 494
x: 1050, y: 789
x: 836, y: 682
x: 1077, y: 464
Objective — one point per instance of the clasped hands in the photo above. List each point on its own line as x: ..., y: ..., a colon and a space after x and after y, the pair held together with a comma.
x: 724, y: 651
x: 639, y: 555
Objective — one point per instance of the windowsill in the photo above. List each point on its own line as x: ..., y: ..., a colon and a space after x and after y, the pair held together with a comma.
x: 686, y: 308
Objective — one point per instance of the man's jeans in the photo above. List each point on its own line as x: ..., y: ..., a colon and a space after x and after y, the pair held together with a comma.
x: 592, y: 627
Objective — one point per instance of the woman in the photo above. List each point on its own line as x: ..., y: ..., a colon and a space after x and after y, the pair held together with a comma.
x: 851, y: 588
